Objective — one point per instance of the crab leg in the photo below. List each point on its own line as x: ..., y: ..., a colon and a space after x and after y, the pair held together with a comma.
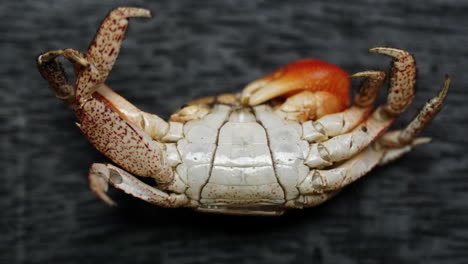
x: 102, y: 174
x: 400, y: 95
x: 104, y: 49
x: 114, y: 126
x: 320, y: 181
x: 51, y: 69
x: 311, y: 200
x: 325, y: 181
x: 395, y: 153
x: 151, y: 124
x: 389, y: 147
x: 101, y: 56
x: 320, y: 185
x: 108, y: 127
x: 107, y: 120
x: 399, y: 138
x: 400, y: 142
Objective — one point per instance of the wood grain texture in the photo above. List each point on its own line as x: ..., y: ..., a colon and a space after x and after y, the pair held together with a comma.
x: 414, y: 210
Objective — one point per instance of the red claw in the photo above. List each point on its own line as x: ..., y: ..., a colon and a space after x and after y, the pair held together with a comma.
x: 303, y: 75
x: 318, y: 76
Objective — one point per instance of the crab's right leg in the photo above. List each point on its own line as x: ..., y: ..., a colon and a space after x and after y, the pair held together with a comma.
x: 322, y: 181
x: 400, y: 142
x: 102, y: 174
x: 399, y: 138
x: 320, y: 184
x: 400, y: 95
x: 311, y: 200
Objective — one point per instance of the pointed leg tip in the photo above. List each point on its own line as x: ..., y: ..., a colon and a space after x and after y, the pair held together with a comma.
x: 421, y: 141
x: 437, y: 101
x: 358, y: 74
x: 98, y: 177
x: 445, y: 87
x: 368, y: 74
x: 392, y: 52
x: 132, y: 12
x: 48, y: 56
x: 146, y: 13
x: 99, y: 187
x: 106, y: 199
x: 76, y: 57
x: 381, y: 49
x: 378, y: 49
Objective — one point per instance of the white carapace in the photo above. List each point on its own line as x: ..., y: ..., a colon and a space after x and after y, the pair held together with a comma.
x: 235, y: 157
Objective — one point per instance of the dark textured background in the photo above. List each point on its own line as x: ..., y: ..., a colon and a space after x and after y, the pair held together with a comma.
x: 414, y: 210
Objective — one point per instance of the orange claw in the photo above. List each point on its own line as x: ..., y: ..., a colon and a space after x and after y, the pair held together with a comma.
x: 303, y: 75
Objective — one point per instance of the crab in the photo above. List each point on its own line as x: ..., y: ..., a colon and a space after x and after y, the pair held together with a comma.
x: 288, y: 140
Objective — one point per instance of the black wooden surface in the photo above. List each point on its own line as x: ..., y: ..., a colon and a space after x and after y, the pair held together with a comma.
x: 414, y: 210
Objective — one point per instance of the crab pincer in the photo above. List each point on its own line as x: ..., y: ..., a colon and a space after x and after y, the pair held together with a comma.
x: 319, y: 86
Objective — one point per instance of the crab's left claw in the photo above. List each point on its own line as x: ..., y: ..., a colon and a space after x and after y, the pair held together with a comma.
x: 326, y: 81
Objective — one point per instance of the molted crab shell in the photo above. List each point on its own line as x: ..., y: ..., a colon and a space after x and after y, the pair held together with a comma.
x: 289, y: 140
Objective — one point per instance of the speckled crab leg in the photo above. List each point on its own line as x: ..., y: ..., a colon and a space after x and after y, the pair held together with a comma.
x: 51, y: 69
x: 100, y: 175
x: 114, y: 126
x: 399, y: 138
x: 104, y: 49
x: 101, y: 119
x: 399, y: 142
x: 101, y: 57
x: 400, y: 95
x: 93, y: 69
x: 154, y: 126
